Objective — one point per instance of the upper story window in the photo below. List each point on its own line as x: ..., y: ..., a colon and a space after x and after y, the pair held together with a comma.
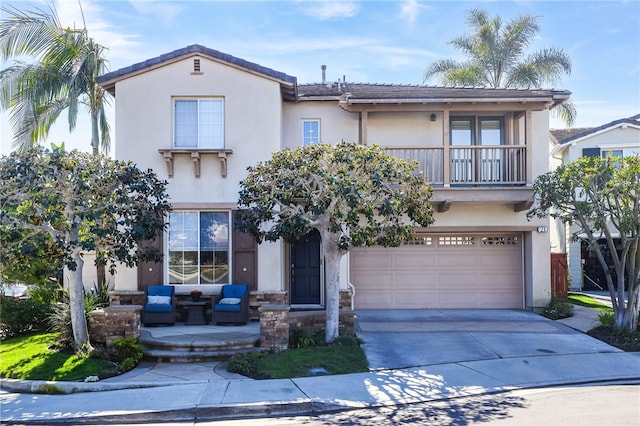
x: 466, y: 131
x: 199, y: 123
x: 310, y: 132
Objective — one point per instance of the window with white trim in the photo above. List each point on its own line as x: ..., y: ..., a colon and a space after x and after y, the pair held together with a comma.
x: 310, y: 132
x: 199, y: 123
x: 198, y: 247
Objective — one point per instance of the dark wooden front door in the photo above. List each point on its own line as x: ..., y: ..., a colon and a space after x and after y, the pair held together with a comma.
x: 305, y: 270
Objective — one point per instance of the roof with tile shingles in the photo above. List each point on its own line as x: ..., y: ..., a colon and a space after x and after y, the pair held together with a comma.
x: 108, y: 80
x: 367, y: 91
x: 357, y: 92
x: 564, y: 136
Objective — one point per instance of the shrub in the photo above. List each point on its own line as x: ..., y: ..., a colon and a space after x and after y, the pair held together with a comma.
x: 607, y: 318
x: 620, y: 337
x: 98, y: 296
x: 348, y: 340
x: 125, y: 353
x: 60, y: 318
x: 20, y: 316
x: 558, y: 309
x: 123, y: 349
x: 301, y: 338
x: 244, y: 363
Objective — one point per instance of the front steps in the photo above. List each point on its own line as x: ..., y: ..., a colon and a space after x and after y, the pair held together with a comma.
x: 182, y: 343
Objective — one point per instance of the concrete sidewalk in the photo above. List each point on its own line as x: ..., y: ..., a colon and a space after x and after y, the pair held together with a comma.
x: 505, y: 357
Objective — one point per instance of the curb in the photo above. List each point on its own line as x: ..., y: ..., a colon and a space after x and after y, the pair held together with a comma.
x: 54, y: 387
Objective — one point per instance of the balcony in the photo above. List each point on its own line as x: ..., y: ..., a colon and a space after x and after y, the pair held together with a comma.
x: 473, y: 173
x: 469, y: 166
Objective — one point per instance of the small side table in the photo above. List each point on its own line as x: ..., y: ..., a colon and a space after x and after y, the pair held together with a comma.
x: 196, y: 313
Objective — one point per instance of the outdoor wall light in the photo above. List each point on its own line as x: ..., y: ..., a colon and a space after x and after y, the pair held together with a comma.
x: 433, y: 117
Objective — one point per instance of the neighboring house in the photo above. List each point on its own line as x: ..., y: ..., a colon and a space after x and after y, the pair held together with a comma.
x: 199, y: 118
x: 617, y: 138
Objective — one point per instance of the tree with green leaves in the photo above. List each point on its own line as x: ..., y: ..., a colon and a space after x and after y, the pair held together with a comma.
x: 353, y: 195
x: 83, y: 202
x: 601, y: 198
x: 495, y: 57
x: 61, y: 75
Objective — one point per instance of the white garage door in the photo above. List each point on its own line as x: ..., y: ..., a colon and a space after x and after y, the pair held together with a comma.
x: 438, y: 271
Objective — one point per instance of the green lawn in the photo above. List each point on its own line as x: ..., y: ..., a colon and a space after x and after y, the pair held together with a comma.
x: 344, y: 356
x: 298, y: 362
x: 589, y: 302
x: 29, y: 358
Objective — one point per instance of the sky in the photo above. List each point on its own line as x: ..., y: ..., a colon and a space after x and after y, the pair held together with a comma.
x: 362, y: 41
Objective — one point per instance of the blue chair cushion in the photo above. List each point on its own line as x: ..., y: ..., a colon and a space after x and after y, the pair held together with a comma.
x: 228, y: 308
x: 154, y: 307
x: 234, y: 290
x: 160, y: 290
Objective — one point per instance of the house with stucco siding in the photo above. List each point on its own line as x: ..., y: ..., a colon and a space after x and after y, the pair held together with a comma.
x: 199, y: 117
x: 619, y: 138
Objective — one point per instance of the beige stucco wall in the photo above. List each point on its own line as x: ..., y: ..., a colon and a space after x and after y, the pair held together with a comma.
x: 252, y: 119
x: 403, y: 129
x: 627, y: 138
x: 335, y: 124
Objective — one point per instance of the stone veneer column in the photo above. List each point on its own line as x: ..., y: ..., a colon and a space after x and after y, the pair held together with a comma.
x: 274, y: 327
x: 115, y: 322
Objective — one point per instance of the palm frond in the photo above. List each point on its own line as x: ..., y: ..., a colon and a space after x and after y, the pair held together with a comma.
x: 567, y: 112
x: 67, y: 64
x: 27, y: 33
x: 440, y: 67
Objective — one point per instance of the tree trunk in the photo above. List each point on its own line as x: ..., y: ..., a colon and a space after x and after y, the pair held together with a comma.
x: 76, y: 304
x: 332, y: 256
x: 95, y: 133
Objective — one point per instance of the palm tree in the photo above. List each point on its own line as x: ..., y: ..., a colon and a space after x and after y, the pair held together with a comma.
x: 496, y: 58
x: 62, y: 76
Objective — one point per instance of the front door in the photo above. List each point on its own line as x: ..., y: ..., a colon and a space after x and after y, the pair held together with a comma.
x: 305, y: 270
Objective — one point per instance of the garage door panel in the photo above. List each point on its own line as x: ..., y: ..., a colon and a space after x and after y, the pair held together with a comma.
x: 372, y: 260
x: 457, y: 260
x: 439, y: 277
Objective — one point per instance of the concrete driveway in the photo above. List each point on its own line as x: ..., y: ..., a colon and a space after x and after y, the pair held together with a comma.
x: 410, y: 338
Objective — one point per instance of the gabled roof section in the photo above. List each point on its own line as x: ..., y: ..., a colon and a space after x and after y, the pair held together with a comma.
x: 364, y: 93
x: 559, y: 135
x: 567, y: 136
x: 288, y: 83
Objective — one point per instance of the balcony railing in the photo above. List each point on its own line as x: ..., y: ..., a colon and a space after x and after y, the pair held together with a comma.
x: 504, y: 165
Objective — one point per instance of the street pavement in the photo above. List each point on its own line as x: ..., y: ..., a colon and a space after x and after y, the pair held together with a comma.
x: 414, y: 356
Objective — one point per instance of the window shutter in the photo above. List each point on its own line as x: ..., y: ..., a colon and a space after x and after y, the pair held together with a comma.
x: 591, y: 152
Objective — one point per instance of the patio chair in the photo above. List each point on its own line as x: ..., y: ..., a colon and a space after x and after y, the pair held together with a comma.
x: 232, y: 304
x: 160, y: 306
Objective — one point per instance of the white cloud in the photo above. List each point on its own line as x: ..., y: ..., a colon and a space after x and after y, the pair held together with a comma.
x: 163, y: 12
x: 330, y: 10
x: 410, y: 10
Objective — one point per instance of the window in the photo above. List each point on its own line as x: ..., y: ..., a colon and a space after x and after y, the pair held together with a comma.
x: 452, y: 240
x: 198, y: 247
x: 466, y: 131
x: 199, y: 123
x: 310, y: 132
x: 469, y: 163
x: 612, y: 153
